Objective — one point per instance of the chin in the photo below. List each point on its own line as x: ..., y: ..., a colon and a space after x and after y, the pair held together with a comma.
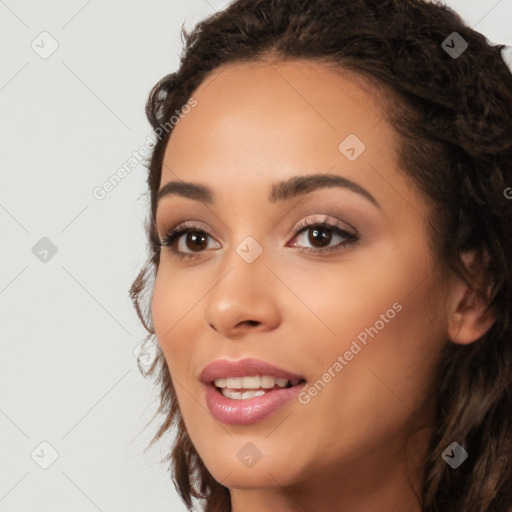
x: 267, y: 472
x: 253, y: 478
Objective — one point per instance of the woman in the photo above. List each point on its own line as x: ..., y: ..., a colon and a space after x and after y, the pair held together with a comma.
x: 329, y: 278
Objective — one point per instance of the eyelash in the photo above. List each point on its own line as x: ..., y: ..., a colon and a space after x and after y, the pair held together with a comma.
x: 170, y: 237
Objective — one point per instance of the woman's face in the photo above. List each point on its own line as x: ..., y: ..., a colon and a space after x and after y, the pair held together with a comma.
x: 353, y: 308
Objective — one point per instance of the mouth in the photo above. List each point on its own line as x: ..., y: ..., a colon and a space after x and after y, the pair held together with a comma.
x: 247, y: 391
x: 247, y: 387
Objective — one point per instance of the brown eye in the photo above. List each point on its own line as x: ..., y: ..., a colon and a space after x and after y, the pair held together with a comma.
x: 186, y: 241
x: 319, y: 236
x: 195, y: 240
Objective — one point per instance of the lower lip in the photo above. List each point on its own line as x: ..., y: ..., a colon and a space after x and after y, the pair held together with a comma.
x: 249, y: 410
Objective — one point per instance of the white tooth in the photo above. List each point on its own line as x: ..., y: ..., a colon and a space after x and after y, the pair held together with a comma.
x: 234, y: 382
x: 228, y: 393
x: 236, y: 395
x: 220, y: 383
x: 267, y: 381
x: 248, y: 394
x: 282, y: 382
x: 251, y: 382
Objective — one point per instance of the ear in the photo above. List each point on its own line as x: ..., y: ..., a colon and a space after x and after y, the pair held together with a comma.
x: 468, y: 315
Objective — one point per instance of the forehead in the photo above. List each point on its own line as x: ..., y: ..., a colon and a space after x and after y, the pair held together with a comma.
x: 264, y: 121
x: 265, y: 96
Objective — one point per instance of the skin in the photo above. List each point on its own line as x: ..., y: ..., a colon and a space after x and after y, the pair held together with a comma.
x: 358, y: 445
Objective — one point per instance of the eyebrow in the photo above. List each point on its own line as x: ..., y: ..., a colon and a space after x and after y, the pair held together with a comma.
x: 280, y: 191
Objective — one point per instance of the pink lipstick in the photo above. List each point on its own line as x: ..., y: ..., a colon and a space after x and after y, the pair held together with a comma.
x: 247, y: 391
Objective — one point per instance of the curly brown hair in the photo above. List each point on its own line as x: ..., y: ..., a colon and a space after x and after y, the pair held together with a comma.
x: 453, y: 117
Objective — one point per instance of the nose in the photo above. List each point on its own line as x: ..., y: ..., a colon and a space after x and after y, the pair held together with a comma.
x: 242, y: 300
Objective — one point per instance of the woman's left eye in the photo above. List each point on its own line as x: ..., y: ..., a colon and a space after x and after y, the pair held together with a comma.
x: 323, y: 233
x: 189, y: 241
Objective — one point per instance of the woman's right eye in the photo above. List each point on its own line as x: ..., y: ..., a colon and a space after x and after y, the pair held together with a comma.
x: 186, y: 241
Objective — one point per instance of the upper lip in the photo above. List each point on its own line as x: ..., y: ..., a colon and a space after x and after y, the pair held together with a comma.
x: 223, y: 368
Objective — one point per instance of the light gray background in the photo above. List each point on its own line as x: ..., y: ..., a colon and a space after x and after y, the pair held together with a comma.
x: 68, y: 373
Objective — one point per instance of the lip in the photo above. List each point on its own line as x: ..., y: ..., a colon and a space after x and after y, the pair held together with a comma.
x: 223, y: 368
x: 248, y: 411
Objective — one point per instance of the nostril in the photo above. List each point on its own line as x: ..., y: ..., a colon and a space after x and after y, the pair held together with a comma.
x: 249, y: 322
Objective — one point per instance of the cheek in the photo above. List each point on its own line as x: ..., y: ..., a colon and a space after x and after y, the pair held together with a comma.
x: 172, y: 310
x: 364, y: 288
x: 176, y: 294
x: 374, y: 313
